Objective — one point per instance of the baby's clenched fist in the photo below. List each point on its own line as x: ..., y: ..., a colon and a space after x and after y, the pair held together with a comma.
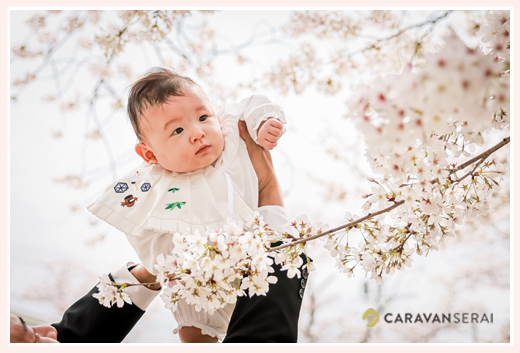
x: 269, y: 133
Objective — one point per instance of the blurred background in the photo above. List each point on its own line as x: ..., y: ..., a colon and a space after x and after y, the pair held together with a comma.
x: 69, y: 137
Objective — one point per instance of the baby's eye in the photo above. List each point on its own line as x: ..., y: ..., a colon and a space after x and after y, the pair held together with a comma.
x: 178, y: 131
x: 203, y: 118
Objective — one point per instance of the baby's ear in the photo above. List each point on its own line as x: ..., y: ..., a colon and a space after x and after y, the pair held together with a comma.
x: 145, y: 152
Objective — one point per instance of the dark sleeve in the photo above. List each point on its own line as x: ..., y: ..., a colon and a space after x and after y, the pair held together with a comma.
x: 272, y: 318
x: 87, y: 321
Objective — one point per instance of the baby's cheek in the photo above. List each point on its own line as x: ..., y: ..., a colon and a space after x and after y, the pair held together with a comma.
x: 221, y: 142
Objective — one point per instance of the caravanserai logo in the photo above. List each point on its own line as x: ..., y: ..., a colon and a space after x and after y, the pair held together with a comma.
x: 430, y: 318
x: 373, y: 317
x: 456, y: 318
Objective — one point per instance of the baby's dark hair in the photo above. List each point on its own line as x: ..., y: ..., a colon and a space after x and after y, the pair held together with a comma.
x: 154, y: 88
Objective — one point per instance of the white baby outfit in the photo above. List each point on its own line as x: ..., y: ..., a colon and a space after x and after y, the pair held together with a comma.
x: 150, y: 204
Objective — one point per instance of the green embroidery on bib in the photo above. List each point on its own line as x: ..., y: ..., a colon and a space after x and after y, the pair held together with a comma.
x: 171, y: 206
x: 173, y: 190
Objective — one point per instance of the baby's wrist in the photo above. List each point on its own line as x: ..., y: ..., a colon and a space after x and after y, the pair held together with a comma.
x: 143, y: 276
x: 263, y: 123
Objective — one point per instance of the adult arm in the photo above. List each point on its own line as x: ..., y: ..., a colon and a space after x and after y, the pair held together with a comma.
x: 272, y: 318
x: 87, y: 321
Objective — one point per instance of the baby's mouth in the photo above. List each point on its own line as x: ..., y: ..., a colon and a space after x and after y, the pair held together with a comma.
x: 203, y: 149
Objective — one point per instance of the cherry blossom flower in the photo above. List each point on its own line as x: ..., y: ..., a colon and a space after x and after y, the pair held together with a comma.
x: 109, y: 294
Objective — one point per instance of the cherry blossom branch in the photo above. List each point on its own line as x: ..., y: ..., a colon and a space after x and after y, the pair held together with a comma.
x: 348, y: 225
x: 148, y: 285
x: 381, y: 40
x: 417, y: 25
x: 124, y: 284
x: 470, y: 172
x: 479, y: 159
x: 482, y: 156
x: 400, y: 247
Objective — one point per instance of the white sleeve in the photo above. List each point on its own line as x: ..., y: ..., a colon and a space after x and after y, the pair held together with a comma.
x: 140, y: 295
x: 256, y: 109
x: 149, y: 245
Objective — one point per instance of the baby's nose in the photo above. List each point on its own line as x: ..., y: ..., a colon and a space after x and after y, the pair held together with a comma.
x: 197, y: 135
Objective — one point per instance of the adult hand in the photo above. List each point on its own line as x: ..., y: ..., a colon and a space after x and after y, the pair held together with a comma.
x: 270, y: 192
x: 21, y: 333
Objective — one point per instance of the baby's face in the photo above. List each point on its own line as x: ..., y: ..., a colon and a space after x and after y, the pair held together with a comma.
x: 184, y: 133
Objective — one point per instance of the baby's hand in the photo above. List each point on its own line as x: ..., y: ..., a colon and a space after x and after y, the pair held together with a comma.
x: 269, y: 133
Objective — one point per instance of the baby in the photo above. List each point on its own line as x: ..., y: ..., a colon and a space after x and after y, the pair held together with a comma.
x: 197, y: 174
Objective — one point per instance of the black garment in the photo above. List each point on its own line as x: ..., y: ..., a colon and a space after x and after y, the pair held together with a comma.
x: 87, y: 321
x: 272, y: 318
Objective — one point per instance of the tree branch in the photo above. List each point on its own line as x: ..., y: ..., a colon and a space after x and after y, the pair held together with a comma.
x: 483, y: 155
x: 381, y: 40
x: 470, y: 172
x: 417, y: 25
x: 480, y: 158
x: 348, y: 225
